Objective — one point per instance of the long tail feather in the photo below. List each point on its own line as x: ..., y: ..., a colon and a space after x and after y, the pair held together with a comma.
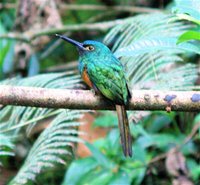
x: 124, y: 130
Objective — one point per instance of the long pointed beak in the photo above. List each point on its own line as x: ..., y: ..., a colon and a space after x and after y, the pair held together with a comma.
x: 75, y: 43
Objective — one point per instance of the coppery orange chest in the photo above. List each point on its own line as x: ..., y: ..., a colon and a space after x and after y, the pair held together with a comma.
x: 86, y: 78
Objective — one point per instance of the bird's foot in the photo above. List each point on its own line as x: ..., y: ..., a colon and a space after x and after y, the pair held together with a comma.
x: 95, y: 92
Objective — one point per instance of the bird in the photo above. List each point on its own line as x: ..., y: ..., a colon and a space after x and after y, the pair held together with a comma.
x: 104, y: 73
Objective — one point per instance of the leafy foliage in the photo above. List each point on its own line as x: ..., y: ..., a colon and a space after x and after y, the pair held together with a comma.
x: 192, y: 14
x: 108, y: 164
x: 50, y: 146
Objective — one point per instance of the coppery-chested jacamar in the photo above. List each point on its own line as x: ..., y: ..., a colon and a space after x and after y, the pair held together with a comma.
x: 103, y: 72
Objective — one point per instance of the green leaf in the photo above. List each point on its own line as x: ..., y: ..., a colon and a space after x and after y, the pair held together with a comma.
x: 3, y: 52
x: 145, y: 141
x: 98, y: 176
x: 194, y: 169
x: 189, y: 148
x: 189, y: 35
x: 78, y: 169
x: 162, y: 141
x: 139, y: 153
x: 113, y: 143
x: 137, y: 172
x: 159, y: 122
x: 137, y: 130
x: 197, y: 119
x: 120, y: 178
x: 100, y: 157
x: 106, y: 120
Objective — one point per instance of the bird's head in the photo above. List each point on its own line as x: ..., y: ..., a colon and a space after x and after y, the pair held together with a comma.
x: 88, y: 48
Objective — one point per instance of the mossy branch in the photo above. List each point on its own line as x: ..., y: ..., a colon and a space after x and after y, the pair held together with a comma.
x: 83, y: 99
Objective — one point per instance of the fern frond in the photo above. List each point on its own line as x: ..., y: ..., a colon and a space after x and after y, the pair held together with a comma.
x: 144, y: 26
x: 147, y: 47
x: 51, y: 146
x: 55, y: 141
x: 22, y: 115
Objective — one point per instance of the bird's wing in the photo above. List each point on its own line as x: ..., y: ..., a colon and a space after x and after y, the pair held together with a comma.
x: 109, y: 80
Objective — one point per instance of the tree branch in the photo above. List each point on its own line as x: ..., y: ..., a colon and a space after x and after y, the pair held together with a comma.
x: 30, y: 35
x: 90, y: 7
x: 82, y: 99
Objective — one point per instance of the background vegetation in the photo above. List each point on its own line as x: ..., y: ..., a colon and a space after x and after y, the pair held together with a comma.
x: 158, y: 43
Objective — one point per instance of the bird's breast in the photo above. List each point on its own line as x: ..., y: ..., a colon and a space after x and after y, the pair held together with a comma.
x: 86, y: 77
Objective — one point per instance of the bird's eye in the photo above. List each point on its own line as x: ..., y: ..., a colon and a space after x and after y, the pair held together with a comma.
x: 89, y: 48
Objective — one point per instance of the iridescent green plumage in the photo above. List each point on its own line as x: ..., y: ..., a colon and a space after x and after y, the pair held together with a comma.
x: 103, y: 72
